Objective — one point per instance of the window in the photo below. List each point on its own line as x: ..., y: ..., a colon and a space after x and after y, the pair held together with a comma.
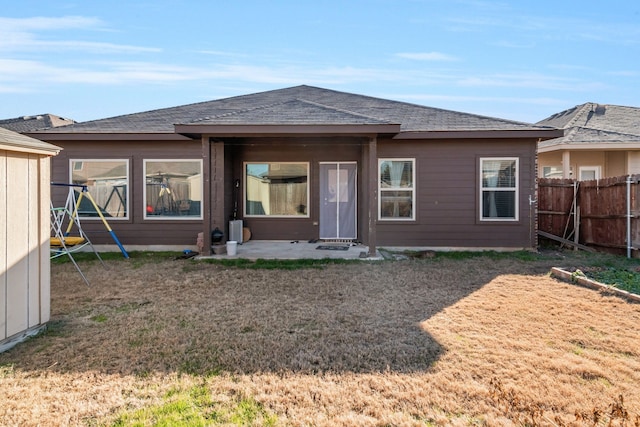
x: 552, y: 172
x: 107, y: 182
x: 588, y: 173
x: 278, y: 189
x: 173, y: 189
x: 396, y: 187
x: 498, y: 189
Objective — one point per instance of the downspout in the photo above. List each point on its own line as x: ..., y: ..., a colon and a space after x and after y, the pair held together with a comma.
x: 372, y: 184
x: 206, y: 195
x: 629, y: 216
x: 576, y: 216
x: 533, y: 222
x: 533, y: 204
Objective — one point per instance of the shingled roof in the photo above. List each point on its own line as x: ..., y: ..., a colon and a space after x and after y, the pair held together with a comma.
x: 34, y: 123
x: 299, y: 105
x: 591, y: 123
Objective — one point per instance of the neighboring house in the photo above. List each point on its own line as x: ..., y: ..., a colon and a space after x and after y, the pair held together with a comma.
x: 24, y: 236
x: 306, y: 163
x: 599, y: 141
x: 33, y: 123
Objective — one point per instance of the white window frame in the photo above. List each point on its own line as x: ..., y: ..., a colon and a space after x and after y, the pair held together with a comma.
x: 515, y: 190
x: 83, y: 164
x: 170, y: 217
x: 244, y: 201
x: 594, y: 169
x: 412, y: 189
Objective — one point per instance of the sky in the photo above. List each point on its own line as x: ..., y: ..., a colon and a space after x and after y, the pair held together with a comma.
x: 519, y: 60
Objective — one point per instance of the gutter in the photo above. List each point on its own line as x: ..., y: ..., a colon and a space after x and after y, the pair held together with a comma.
x: 543, y: 134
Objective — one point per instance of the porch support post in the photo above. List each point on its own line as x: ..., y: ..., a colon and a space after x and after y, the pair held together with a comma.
x: 207, y: 199
x: 372, y: 190
x: 566, y: 164
x: 218, y: 218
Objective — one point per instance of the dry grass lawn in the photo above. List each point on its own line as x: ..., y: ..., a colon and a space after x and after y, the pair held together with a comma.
x: 480, y: 341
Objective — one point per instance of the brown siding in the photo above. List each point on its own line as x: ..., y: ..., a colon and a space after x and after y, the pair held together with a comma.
x: 446, y: 185
x: 135, y: 230
x: 447, y: 211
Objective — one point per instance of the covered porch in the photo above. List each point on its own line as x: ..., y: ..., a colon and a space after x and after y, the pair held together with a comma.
x: 226, y: 157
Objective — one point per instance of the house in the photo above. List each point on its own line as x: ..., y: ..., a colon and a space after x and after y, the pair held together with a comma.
x: 305, y: 163
x: 32, y: 123
x: 599, y: 141
x: 24, y: 236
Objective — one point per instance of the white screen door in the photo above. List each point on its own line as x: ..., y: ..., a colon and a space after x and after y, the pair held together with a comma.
x: 338, y: 200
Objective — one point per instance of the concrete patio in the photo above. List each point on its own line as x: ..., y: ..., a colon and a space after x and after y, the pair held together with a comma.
x: 278, y: 249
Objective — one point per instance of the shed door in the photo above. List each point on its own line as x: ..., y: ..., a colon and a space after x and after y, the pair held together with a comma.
x: 338, y: 200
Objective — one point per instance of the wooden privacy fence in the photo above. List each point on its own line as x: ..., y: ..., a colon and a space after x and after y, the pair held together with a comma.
x: 601, y: 214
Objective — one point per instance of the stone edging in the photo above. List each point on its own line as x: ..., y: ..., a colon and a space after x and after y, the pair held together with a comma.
x: 584, y: 281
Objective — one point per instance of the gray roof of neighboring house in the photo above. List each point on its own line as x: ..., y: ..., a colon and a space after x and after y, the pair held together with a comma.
x: 592, y: 123
x: 34, y: 123
x: 299, y: 105
x: 18, y: 142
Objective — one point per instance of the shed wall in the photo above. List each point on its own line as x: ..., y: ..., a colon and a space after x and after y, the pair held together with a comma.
x: 24, y: 247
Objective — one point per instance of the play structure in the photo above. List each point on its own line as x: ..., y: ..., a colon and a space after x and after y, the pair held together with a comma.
x: 67, y: 235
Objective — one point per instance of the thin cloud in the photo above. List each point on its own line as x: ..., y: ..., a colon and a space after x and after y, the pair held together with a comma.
x: 531, y: 81
x: 514, y: 45
x: 426, y: 56
x: 624, y: 73
x: 222, y: 53
x: 27, y: 74
x: 464, y: 98
x: 23, y: 35
x: 552, y: 28
x: 28, y: 44
x: 40, y: 23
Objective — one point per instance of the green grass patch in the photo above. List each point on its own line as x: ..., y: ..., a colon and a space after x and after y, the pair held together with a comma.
x: 7, y: 370
x: 624, y: 279
x: 195, y: 407
x: 99, y: 318
x: 494, y: 255
x: 54, y: 328
x: 615, y: 270
x: 465, y: 255
x: 130, y: 307
x: 136, y: 258
x: 278, y: 264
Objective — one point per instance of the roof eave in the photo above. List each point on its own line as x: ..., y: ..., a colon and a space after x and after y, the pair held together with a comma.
x: 105, y: 136
x: 542, y: 134
x: 24, y: 148
x: 194, y: 130
x: 562, y: 146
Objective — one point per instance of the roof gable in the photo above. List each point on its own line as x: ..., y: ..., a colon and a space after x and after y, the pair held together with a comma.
x: 34, y: 123
x: 294, y: 111
x: 592, y: 123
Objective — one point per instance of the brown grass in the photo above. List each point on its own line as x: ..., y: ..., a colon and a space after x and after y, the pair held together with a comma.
x: 432, y: 341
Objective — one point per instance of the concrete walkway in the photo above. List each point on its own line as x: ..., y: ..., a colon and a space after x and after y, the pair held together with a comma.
x: 278, y: 249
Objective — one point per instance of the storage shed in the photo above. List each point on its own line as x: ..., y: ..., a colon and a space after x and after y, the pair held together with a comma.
x: 24, y: 236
